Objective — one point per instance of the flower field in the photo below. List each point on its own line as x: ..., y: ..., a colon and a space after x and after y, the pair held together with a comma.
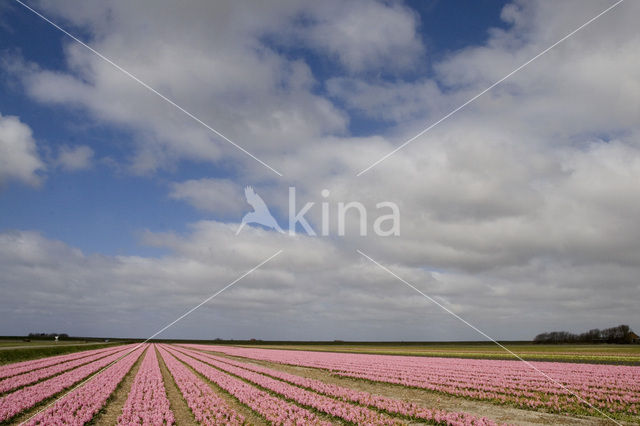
x: 564, y: 387
x: 227, y: 385
x: 147, y: 402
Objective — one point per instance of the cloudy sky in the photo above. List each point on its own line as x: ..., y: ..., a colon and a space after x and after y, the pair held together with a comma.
x: 118, y: 211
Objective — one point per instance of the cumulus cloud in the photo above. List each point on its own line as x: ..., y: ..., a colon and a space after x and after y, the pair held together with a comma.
x: 144, y: 293
x: 390, y: 102
x: 312, y: 287
x: 220, y: 196
x: 74, y: 158
x: 19, y: 158
x: 365, y: 36
x: 520, y: 210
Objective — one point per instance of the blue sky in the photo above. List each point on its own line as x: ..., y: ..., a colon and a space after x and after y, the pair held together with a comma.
x: 97, y: 210
x: 102, y: 211
x: 527, y: 191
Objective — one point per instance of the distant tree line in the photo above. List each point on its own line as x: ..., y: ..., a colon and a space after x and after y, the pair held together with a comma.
x: 619, y: 334
x: 61, y: 336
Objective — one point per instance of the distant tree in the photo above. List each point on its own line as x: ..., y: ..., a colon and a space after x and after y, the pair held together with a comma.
x: 590, y: 336
x: 541, y: 338
x: 61, y: 336
x: 619, y: 334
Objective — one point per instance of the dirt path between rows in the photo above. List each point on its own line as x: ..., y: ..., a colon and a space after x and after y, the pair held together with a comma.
x: 27, y: 414
x: 250, y: 416
x: 502, y: 414
x: 181, y: 411
x: 114, y: 405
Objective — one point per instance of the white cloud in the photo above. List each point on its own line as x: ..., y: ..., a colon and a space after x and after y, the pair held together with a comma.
x: 19, y: 157
x: 220, y: 196
x: 525, y: 202
x: 312, y: 287
x: 74, y: 158
x: 366, y: 36
x: 391, y: 102
x: 222, y: 71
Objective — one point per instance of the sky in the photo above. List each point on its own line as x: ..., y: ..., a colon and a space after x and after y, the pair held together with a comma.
x: 119, y: 210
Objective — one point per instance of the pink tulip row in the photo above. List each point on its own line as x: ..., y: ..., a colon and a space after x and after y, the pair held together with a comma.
x: 349, y: 412
x: 207, y: 407
x: 14, y: 382
x: 26, y: 397
x: 274, y: 410
x: 80, y: 405
x: 389, y: 405
x: 26, y: 366
x: 147, y: 402
x: 615, y: 389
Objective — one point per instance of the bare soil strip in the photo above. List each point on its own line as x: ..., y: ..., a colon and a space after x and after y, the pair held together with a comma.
x: 181, y: 411
x: 499, y: 413
x: 114, y: 405
x: 30, y: 412
x: 46, y: 378
x: 250, y: 416
x: 322, y: 415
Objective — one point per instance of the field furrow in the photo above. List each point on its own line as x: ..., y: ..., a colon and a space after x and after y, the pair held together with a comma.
x: 349, y: 412
x: 26, y: 397
x: 147, y: 402
x: 183, y: 384
x: 275, y: 410
x: 14, y: 369
x: 388, y: 405
x: 207, y: 407
x: 553, y: 387
x: 24, y: 379
x: 79, y: 406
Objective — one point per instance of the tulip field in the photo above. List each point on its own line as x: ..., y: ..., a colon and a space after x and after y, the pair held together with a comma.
x: 167, y: 384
